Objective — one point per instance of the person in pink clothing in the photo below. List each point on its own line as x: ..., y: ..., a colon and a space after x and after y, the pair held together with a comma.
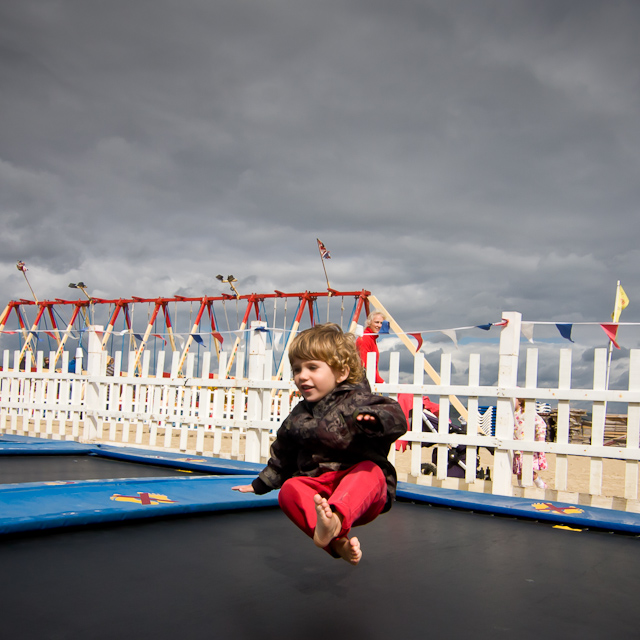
x: 367, y: 343
x: 539, y: 458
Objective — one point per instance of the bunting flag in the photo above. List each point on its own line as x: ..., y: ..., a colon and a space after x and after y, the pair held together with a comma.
x: 51, y: 335
x: 503, y: 323
x: 384, y: 329
x: 418, y: 337
x: 612, y: 333
x: 137, y: 336
x: 323, y: 251
x: 622, y: 301
x: 157, y: 335
x: 180, y: 339
x: 277, y: 337
x: 450, y: 333
x: 565, y: 330
x: 197, y: 338
x: 526, y: 328
x: 484, y: 327
x: 217, y: 336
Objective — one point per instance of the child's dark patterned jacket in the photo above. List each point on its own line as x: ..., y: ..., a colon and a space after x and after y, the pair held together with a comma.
x: 325, y: 436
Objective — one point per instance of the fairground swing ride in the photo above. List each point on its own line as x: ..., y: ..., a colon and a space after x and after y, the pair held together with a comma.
x: 211, y: 323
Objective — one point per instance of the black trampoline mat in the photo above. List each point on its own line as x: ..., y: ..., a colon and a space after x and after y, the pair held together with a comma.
x: 426, y: 572
x: 44, y: 468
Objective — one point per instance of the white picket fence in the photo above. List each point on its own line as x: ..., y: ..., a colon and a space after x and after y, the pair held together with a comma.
x: 194, y: 413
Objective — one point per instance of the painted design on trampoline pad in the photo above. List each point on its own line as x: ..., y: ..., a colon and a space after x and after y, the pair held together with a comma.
x: 549, y: 507
x: 143, y: 498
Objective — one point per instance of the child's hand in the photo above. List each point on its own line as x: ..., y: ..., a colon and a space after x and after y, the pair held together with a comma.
x: 369, y: 423
x: 366, y: 417
x: 243, y: 488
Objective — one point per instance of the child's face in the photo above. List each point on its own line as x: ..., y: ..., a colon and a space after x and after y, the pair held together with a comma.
x: 315, y: 378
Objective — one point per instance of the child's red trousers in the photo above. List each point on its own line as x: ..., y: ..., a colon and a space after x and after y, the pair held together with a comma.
x: 358, y: 494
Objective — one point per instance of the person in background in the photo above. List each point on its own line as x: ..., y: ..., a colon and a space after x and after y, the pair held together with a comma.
x: 110, y: 367
x: 367, y: 343
x: 539, y: 458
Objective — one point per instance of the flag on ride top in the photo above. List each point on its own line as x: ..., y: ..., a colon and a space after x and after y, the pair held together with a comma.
x: 622, y: 301
x: 21, y: 266
x: 324, y: 252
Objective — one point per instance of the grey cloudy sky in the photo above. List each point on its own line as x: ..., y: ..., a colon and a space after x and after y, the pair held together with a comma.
x: 458, y: 159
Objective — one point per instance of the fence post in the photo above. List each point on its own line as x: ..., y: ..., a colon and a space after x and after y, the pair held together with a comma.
x: 257, y: 348
x: 95, y: 362
x: 507, y: 378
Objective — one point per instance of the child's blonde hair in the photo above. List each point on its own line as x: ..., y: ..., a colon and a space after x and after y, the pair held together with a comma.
x: 327, y: 342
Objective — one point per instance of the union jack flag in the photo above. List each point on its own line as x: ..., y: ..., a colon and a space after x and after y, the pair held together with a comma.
x: 21, y: 266
x: 324, y: 252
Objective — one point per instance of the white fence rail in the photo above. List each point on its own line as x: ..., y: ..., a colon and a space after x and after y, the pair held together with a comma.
x: 195, y: 412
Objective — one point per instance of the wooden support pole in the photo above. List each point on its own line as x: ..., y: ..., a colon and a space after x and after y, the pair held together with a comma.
x: 27, y: 339
x: 193, y: 330
x: 167, y: 324
x: 112, y: 321
x: 67, y: 333
x: 431, y: 372
x: 253, y: 301
x: 154, y: 315
x: 53, y: 323
x: 362, y: 300
x: 294, y: 330
x: 5, y: 316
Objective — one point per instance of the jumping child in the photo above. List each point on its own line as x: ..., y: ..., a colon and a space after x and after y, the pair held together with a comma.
x: 329, y: 459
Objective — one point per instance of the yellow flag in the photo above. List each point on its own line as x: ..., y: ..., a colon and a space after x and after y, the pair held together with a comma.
x: 622, y: 301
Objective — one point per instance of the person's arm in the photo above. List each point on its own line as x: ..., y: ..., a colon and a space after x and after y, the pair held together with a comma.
x: 382, y: 418
x: 244, y: 488
x: 279, y: 467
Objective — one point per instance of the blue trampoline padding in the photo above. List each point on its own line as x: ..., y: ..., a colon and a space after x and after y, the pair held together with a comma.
x: 19, y: 445
x: 10, y: 437
x: 46, y: 505
x: 546, y: 510
x: 179, y: 460
x: 24, y: 445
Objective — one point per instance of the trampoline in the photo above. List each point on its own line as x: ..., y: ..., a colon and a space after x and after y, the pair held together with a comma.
x: 428, y: 571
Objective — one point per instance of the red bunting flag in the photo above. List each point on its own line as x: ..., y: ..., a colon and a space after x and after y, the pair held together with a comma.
x: 418, y: 337
x: 612, y: 333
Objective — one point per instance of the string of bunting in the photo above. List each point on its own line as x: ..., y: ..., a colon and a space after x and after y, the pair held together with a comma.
x: 564, y: 329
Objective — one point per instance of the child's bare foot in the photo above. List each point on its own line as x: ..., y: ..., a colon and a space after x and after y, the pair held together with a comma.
x: 348, y: 550
x: 328, y: 524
